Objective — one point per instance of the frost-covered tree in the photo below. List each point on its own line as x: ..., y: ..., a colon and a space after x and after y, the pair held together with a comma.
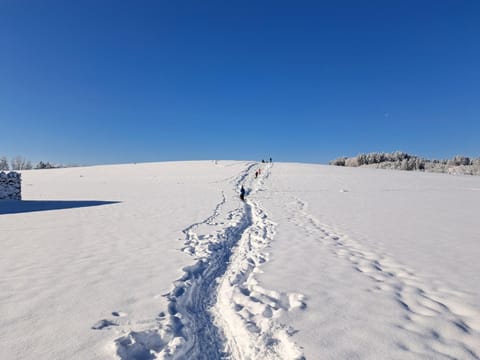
x: 42, y: 165
x: 4, y: 164
x: 20, y: 163
x: 459, y: 160
x: 420, y: 164
x: 362, y: 159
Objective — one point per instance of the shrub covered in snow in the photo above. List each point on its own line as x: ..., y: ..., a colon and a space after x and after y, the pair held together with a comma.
x: 10, y: 186
x: 47, y: 165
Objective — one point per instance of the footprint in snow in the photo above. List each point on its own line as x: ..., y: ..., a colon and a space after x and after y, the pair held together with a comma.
x: 119, y: 313
x: 103, y: 324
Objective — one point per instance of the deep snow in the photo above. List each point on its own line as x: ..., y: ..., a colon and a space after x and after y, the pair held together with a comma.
x: 163, y: 260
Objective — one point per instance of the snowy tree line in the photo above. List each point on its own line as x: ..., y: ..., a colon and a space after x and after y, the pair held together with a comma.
x: 20, y: 163
x: 402, y: 161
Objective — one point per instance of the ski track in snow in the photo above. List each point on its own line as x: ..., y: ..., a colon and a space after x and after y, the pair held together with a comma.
x: 439, y: 319
x: 217, y: 310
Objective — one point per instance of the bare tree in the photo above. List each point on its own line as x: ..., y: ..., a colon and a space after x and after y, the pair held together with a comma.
x: 20, y: 163
x: 4, y: 164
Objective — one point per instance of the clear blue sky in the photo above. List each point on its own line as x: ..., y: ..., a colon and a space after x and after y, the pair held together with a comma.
x: 109, y: 81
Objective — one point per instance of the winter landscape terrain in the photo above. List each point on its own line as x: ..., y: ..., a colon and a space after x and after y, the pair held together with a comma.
x: 163, y: 261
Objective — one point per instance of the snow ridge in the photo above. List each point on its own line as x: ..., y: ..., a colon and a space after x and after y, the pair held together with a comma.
x: 440, y: 321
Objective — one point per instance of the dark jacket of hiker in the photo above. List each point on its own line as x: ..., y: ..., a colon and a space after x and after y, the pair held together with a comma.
x: 242, y: 193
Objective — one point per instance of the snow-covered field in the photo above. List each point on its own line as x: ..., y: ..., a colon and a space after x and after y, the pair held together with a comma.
x: 163, y: 261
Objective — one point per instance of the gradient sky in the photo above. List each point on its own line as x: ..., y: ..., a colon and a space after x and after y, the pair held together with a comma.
x: 109, y: 81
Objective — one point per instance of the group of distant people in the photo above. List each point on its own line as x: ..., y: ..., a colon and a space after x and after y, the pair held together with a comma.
x: 257, y: 173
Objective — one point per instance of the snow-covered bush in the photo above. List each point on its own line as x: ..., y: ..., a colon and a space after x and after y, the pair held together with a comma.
x: 353, y: 161
x: 338, y: 161
x: 47, y: 165
x: 10, y: 186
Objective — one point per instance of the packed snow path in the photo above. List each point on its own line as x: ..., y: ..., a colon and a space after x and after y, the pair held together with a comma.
x: 217, y: 310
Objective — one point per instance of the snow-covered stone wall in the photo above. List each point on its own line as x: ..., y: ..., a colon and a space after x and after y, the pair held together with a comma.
x: 10, y: 186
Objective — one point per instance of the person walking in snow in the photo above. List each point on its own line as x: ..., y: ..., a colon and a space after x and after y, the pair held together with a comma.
x: 242, y: 193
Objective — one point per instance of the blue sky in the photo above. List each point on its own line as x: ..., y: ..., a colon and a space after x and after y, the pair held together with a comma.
x: 110, y: 81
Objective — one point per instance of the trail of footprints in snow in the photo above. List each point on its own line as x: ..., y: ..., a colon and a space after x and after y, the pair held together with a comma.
x: 182, y: 330
x: 447, y: 326
x: 257, y: 335
x: 171, y: 335
x: 186, y: 329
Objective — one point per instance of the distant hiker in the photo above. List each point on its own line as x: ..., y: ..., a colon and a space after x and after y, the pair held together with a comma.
x: 242, y: 193
x: 256, y: 174
x: 270, y: 159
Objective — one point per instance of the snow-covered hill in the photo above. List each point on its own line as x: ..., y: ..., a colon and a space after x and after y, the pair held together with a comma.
x: 164, y: 261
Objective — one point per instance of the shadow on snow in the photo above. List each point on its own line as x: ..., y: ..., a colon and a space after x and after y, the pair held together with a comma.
x: 22, y: 206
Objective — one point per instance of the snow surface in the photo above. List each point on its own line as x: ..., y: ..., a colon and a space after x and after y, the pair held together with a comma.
x: 164, y: 261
